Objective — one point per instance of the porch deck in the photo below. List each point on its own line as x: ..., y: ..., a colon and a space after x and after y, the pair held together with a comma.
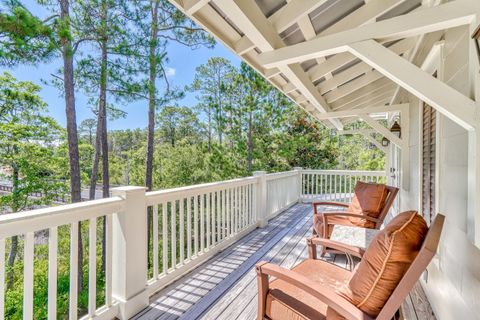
x: 225, y: 286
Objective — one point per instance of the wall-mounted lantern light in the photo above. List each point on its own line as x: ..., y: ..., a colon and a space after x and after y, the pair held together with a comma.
x: 476, y: 38
x: 396, y: 130
x: 385, y: 142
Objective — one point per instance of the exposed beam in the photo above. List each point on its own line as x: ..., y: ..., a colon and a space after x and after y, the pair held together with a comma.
x: 380, y: 98
x: 436, y: 93
x: 441, y: 17
x: 292, y: 12
x: 352, y: 86
x: 365, y: 14
x: 384, y: 131
x: 370, y: 90
x: 248, y: 16
x: 423, y: 47
x: 269, y: 73
x: 343, y: 77
x: 289, y: 87
x: 342, y: 59
x: 243, y: 45
x: 192, y: 6
x: 357, y: 112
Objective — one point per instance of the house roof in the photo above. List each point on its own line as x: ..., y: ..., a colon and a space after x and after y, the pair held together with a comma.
x: 267, y: 34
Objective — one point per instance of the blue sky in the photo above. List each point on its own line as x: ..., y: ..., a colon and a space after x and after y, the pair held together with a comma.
x: 181, y: 70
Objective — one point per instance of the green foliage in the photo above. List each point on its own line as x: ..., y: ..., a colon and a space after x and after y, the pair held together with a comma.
x: 27, y: 140
x: 23, y: 37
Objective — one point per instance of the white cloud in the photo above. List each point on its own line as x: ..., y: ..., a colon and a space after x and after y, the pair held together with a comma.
x: 170, y: 72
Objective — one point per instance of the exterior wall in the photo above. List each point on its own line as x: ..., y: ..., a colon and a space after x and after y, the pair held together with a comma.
x: 452, y: 282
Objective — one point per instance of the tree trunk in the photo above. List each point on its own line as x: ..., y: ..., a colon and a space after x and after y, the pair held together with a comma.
x: 14, y: 244
x: 102, y: 118
x: 209, y: 128
x: 72, y: 136
x: 96, y: 160
x: 151, y: 113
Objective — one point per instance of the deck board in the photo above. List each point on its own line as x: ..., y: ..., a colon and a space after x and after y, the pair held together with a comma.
x: 225, y: 287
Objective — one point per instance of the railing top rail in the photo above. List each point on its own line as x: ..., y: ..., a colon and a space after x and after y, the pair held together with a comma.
x: 280, y: 175
x: 154, y: 197
x: 38, y: 219
x: 348, y: 172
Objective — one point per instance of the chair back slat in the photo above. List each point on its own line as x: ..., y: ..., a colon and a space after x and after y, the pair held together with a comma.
x: 391, y: 195
x: 421, y: 262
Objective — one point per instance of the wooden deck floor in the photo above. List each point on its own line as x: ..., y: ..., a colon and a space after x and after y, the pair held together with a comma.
x: 225, y: 286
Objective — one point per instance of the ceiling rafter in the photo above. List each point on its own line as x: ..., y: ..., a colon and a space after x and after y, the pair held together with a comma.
x: 352, y: 86
x: 192, y: 6
x: 357, y: 112
x: 421, y: 84
x: 258, y: 29
x: 292, y: 12
x: 441, y: 17
x: 359, y: 96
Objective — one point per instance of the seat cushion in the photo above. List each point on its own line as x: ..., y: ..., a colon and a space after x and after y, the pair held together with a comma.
x: 385, y: 261
x: 369, y: 199
x: 339, y: 221
x: 285, y: 301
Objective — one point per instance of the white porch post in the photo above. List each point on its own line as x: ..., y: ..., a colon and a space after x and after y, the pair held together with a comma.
x: 299, y: 181
x: 261, y: 193
x: 129, y: 252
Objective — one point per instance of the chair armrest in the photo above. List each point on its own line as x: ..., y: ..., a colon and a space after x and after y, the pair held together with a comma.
x: 343, y: 247
x: 315, y: 204
x: 325, y: 216
x: 325, y: 294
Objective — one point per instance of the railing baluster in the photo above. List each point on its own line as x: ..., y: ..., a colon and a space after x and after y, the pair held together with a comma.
x: 224, y: 213
x: 165, y: 237
x: 92, y: 267
x: 189, y: 228
x: 174, y: 232
x: 195, y: 225
x: 73, y: 271
x: 207, y: 218
x: 202, y: 223
x: 28, y: 276
x: 181, y: 216
x: 2, y: 278
x: 230, y: 213
x: 155, y: 240
x: 219, y: 214
x: 52, y: 273
x: 108, y: 261
x: 213, y: 215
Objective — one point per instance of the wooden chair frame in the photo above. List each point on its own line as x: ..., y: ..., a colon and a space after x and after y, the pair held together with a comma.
x: 391, y: 195
x: 336, y: 302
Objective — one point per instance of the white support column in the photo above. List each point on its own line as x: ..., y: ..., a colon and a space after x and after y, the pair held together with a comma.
x: 473, y: 212
x: 261, y: 205
x: 299, y: 181
x: 129, y: 252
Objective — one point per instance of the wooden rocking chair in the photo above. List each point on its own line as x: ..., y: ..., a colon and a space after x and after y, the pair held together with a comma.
x: 370, y: 205
x: 317, y: 289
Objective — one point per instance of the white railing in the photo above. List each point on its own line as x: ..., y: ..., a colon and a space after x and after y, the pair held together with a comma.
x: 335, y: 185
x: 187, y: 226
x: 191, y: 224
x: 283, y: 190
x: 61, y: 220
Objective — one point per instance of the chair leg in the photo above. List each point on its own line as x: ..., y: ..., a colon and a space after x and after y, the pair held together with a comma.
x: 262, y: 283
x: 312, y: 249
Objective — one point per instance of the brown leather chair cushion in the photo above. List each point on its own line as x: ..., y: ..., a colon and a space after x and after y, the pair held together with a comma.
x: 385, y: 262
x: 287, y: 302
x: 369, y: 199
